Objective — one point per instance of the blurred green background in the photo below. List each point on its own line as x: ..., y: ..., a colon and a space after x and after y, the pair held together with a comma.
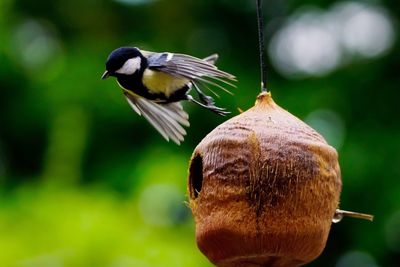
x: 86, y: 182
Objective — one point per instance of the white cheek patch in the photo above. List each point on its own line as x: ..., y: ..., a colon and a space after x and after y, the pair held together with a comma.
x: 130, y: 66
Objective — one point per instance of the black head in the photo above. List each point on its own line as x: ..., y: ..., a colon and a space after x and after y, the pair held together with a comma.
x: 124, y: 61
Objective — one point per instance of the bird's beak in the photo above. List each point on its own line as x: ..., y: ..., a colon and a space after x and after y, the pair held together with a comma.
x: 105, y: 75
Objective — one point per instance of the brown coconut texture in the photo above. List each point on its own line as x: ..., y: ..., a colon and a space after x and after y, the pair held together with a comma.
x: 263, y: 189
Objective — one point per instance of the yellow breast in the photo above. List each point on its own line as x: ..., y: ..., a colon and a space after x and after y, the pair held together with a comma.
x: 160, y: 82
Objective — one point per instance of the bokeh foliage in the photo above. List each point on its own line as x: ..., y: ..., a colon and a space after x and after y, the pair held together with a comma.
x: 86, y: 182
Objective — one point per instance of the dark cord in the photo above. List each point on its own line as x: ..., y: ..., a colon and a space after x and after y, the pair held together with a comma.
x: 263, y: 64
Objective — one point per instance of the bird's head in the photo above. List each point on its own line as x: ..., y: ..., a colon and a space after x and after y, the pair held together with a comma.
x: 124, y: 61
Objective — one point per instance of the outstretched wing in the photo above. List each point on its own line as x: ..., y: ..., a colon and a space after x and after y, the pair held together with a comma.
x: 192, y: 68
x: 168, y: 119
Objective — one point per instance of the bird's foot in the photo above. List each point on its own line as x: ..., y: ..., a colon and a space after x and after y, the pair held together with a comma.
x: 209, y: 106
x: 217, y: 110
x: 207, y: 100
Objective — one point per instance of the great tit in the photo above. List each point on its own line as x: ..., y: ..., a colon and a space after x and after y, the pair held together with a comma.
x: 155, y: 83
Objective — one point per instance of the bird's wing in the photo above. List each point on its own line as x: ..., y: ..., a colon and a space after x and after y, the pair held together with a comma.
x: 195, y: 69
x: 168, y: 119
x: 212, y: 59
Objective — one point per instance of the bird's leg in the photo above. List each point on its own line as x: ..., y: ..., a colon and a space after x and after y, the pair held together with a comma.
x: 212, y: 107
x: 208, y: 100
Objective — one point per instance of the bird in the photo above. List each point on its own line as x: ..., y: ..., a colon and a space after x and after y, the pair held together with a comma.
x: 154, y: 85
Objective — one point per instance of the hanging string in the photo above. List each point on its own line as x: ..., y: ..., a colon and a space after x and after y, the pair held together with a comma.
x: 263, y: 65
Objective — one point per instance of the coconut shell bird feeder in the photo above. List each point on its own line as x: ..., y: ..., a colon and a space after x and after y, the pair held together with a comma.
x: 264, y: 188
